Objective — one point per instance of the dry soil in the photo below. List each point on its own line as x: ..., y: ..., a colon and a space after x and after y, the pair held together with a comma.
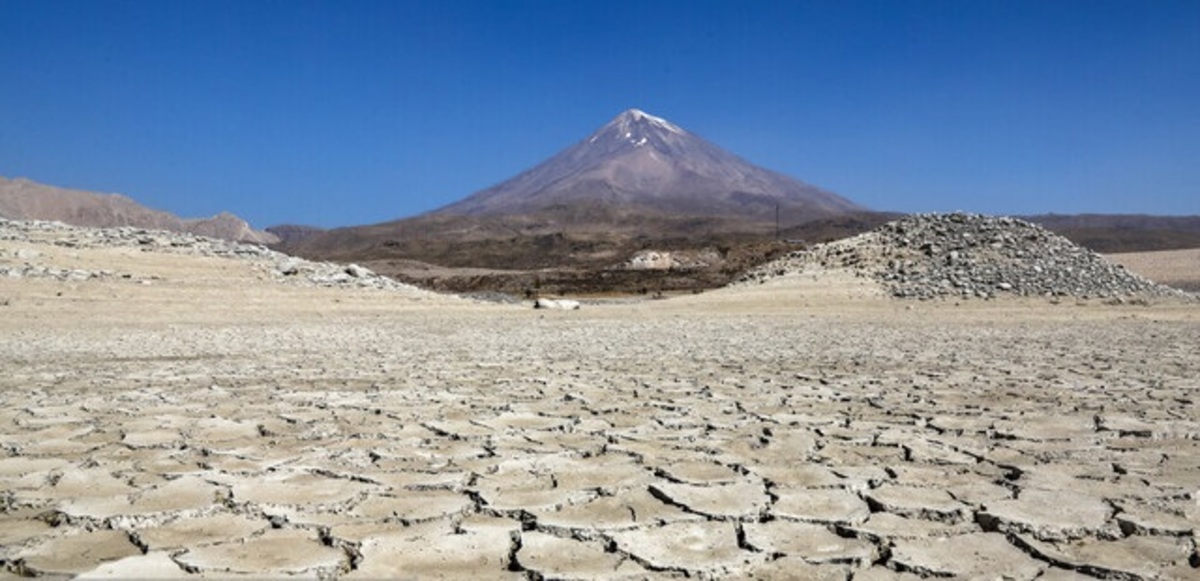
x: 199, y: 419
x: 1177, y: 268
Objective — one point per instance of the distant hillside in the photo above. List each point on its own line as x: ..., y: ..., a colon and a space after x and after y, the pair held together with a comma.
x: 1104, y: 233
x: 1124, y: 221
x: 22, y: 199
x: 517, y: 253
x: 294, y: 233
x: 1110, y: 233
x: 837, y: 227
x: 1177, y: 268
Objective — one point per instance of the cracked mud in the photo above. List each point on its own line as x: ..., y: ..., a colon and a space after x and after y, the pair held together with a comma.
x: 362, y: 435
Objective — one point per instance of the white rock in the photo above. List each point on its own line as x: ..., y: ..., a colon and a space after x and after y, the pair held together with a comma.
x: 560, y: 304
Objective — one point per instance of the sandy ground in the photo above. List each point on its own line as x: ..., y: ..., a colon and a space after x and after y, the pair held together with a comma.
x: 199, y: 420
x: 1177, y: 268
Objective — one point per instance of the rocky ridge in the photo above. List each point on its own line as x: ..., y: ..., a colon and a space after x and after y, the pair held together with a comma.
x: 27, y: 263
x: 23, y: 199
x: 960, y: 255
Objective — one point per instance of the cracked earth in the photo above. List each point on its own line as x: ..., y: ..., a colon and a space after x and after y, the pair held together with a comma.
x: 320, y: 433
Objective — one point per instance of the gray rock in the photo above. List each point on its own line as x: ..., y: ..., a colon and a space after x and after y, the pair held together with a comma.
x: 358, y: 271
x: 288, y: 266
x: 987, y: 256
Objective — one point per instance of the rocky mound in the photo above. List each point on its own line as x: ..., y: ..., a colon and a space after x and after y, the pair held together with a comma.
x: 25, y: 263
x: 927, y: 256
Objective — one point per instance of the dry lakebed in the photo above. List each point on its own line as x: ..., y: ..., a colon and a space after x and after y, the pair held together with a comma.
x: 169, y: 413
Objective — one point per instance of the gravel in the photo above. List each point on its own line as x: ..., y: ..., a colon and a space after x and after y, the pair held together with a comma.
x: 959, y: 255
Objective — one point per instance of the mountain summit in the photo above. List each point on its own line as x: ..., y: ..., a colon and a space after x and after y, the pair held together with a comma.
x: 640, y: 162
x: 577, y: 221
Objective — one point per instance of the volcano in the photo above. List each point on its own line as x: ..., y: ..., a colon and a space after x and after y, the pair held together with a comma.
x: 645, y: 163
x: 570, y: 223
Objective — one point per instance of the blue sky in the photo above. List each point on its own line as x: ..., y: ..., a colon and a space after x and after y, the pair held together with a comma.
x: 340, y: 113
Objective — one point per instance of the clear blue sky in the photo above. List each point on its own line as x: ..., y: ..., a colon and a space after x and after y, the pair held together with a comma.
x: 339, y: 113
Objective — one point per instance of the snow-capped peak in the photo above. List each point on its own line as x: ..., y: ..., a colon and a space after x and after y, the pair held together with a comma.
x: 638, y: 115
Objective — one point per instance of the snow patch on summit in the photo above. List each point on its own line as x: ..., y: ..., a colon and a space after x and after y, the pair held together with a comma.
x: 655, y: 166
x: 638, y: 114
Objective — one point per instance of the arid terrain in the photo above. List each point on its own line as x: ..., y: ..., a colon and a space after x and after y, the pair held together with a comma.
x: 175, y: 409
x: 24, y: 199
x: 1178, y: 268
x: 545, y: 252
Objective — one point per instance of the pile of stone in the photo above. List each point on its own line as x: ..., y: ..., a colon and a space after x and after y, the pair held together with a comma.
x: 928, y: 256
x: 24, y: 263
x: 328, y: 274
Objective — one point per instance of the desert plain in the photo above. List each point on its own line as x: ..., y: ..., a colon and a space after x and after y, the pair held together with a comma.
x: 194, y: 416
